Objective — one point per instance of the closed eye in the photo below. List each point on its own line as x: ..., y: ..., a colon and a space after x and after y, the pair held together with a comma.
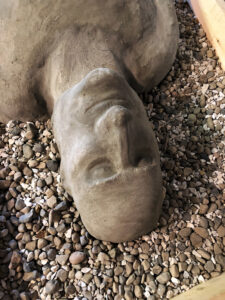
x: 99, y: 170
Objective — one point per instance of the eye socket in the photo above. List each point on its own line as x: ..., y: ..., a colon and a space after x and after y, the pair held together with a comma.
x: 100, y: 170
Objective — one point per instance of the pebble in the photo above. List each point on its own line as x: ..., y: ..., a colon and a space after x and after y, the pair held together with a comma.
x: 4, y: 233
x: 15, y: 260
x: 210, y: 123
x: 61, y: 228
x: 87, y: 278
x: 41, y: 243
x: 30, y: 276
x: 203, y: 222
x: 77, y: 257
x: 174, y: 271
x: 2, y: 219
x: 4, y: 184
x: 52, y: 165
x: 129, y: 295
x: 204, y: 254
x: 49, y: 180
x: 185, y: 232
x: 118, y: 270
x: 161, y: 290
x: 145, y: 247
x: 203, y: 209
x: 27, y: 151
x: 209, y: 266
x: 27, y: 217
x: 13, y: 244
x: 24, y: 296
x: 182, y: 266
x: 51, y: 254
x: 62, y: 259
x: 62, y: 275
x: 83, y: 241
x: 61, y: 206
x: 157, y: 269
x: 52, y: 201
x: 146, y: 265
x: 38, y: 148
x: 196, y: 240
x: 151, y: 297
x: 138, y: 292
x: 28, y: 267
x: 152, y: 286
x: 103, y: 257
x: 210, y: 53
x: 31, y: 246
x: 70, y: 289
x: 163, y: 277
x: 220, y: 259
x: 202, y: 232
x: 192, y: 118
x: 195, y: 270
x: 27, y: 172
x: 187, y: 171
x: 221, y: 231
x: 52, y: 286
x: 19, y: 205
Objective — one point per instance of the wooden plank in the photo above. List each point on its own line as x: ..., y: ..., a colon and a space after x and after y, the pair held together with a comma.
x: 211, y: 14
x: 214, y: 289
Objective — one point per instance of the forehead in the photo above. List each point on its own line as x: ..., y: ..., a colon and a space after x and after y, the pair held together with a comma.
x: 73, y: 112
x: 77, y: 103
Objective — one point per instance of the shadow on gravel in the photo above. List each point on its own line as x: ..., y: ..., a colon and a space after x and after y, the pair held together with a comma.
x: 183, y: 110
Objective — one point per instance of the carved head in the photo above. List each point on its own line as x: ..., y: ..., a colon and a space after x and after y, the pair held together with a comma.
x: 109, y: 156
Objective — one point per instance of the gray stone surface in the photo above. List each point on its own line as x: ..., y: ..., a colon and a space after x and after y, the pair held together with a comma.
x: 109, y: 156
x: 51, y: 50
x: 52, y: 286
x: 27, y: 217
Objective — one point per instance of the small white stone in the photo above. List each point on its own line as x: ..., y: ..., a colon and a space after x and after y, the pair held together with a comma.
x: 175, y: 280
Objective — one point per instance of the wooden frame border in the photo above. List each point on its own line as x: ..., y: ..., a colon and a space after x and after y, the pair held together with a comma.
x: 211, y: 14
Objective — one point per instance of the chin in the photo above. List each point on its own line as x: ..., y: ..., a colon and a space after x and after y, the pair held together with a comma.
x: 125, y: 208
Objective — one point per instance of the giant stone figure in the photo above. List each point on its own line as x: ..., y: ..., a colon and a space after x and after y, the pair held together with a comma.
x: 81, y: 61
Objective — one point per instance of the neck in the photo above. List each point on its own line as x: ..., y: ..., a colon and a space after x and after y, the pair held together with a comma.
x: 72, y: 59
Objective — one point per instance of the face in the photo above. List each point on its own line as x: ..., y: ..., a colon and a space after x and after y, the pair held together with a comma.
x: 109, y: 157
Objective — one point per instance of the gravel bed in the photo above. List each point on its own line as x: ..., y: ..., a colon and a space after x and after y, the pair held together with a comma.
x: 45, y: 251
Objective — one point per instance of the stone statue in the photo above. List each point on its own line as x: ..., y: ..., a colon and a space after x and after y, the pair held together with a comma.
x: 81, y: 60
x: 110, y: 160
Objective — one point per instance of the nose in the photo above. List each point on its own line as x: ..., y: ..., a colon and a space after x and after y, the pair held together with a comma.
x: 114, y: 128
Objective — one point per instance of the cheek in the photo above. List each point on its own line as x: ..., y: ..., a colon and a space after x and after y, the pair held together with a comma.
x: 85, y: 160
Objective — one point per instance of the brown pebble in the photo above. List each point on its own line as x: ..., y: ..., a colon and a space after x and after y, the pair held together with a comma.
x: 203, y: 232
x: 31, y: 245
x: 196, y: 240
x: 27, y: 172
x: 77, y: 257
x: 4, y: 184
x: 203, y: 209
x: 221, y: 231
x: 145, y: 247
x: 185, y: 232
x: 15, y: 260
